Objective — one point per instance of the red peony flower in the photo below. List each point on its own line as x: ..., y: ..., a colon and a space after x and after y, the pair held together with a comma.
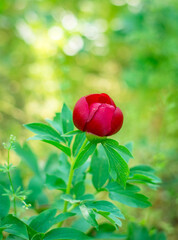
x: 97, y: 114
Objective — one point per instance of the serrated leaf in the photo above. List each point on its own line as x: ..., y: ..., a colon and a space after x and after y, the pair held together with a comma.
x: 4, y: 203
x: 65, y: 233
x: 119, y: 170
x: 44, y: 130
x: 17, y: 227
x: 99, y: 165
x: 128, y: 196
x: 84, y: 155
x: 54, y: 182
x: 45, y: 220
x: 89, y: 215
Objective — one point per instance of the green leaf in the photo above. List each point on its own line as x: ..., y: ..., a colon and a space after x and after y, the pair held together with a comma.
x: 16, y: 226
x: 65, y: 233
x: 38, y: 236
x: 99, y: 165
x: 45, y: 220
x: 4, y: 203
x: 143, y: 174
x: 67, y: 122
x: 127, y: 196
x: 78, y: 142
x: 119, y: 170
x: 72, y: 133
x: 89, y: 215
x: 44, y: 130
x: 28, y: 157
x: 84, y: 154
x: 56, y: 122
x: 122, y: 150
x: 54, y: 182
x: 112, y: 218
x: 136, y: 232
x: 79, y: 189
x: 105, y: 206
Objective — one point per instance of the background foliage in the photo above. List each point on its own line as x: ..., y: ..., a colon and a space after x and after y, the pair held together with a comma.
x: 57, y: 51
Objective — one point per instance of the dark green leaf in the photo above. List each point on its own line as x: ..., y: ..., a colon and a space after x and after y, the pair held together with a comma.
x: 28, y: 157
x: 143, y: 174
x: 4, y: 203
x: 54, y: 182
x: 112, y: 218
x: 128, y: 196
x: 99, y: 165
x: 65, y: 233
x: 122, y: 150
x: 46, y: 219
x: 104, y: 206
x: 84, y: 155
x: 16, y: 226
x: 119, y: 170
x: 89, y: 215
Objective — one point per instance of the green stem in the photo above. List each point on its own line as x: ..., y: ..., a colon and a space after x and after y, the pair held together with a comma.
x: 11, y: 184
x: 71, y: 173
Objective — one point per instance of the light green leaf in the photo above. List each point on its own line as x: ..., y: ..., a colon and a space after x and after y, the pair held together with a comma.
x: 84, y: 155
x: 44, y: 130
x: 56, y: 122
x: 78, y: 142
x: 65, y: 233
x: 4, y: 203
x: 119, y: 170
x: 28, y: 157
x: 72, y: 133
x: 54, y: 182
x: 89, y: 215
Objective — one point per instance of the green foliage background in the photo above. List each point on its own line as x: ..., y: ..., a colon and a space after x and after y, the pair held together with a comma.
x: 57, y: 51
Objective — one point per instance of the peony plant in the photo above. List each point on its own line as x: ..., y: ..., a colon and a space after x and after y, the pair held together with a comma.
x: 64, y: 192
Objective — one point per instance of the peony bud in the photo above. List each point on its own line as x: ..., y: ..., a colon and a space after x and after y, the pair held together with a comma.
x: 97, y: 114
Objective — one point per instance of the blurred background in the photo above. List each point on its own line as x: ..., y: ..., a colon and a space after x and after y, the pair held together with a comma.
x: 53, y: 52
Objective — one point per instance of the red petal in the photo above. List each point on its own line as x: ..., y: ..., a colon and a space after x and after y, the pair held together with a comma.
x: 93, y: 108
x: 92, y: 98
x: 80, y: 113
x: 99, y: 98
x: 104, y: 98
x: 116, y: 122
x: 100, y: 124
